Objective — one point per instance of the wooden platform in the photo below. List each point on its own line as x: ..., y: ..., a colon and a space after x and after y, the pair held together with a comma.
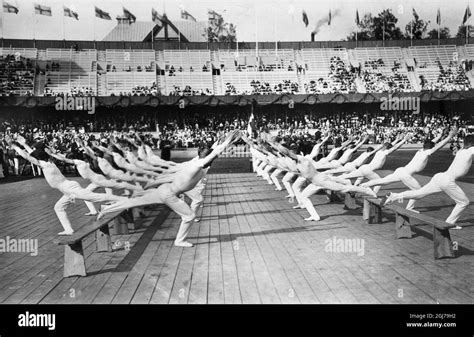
x: 251, y: 247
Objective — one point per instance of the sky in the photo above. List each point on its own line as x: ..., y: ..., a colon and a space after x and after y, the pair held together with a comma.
x: 262, y: 20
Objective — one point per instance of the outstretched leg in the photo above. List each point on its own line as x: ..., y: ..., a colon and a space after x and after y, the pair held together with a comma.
x: 430, y: 188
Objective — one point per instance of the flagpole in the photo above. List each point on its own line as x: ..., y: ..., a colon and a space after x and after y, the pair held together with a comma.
x: 276, y: 35
x: 64, y: 27
x: 383, y: 33
x: 256, y: 36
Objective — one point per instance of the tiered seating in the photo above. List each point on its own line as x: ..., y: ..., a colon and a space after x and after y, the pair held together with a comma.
x: 427, y: 56
x: 227, y: 60
x: 130, y: 60
x: 60, y: 82
x: 383, y: 70
x: 241, y: 81
x: 74, y: 61
x: 327, y: 71
x: 124, y: 82
x: 318, y: 60
x: 200, y: 82
x: 448, y: 77
x: 469, y: 49
x: 388, y: 55
x: 246, y: 60
x: 187, y: 59
x: 28, y: 53
x: 16, y: 75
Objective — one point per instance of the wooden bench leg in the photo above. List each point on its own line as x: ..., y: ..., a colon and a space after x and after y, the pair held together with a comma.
x: 136, y: 216
x: 74, y: 263
x: 332, y: 195
x: 375, y: 214
x: 121, y: 225
x: 402, y: 226
x: 366, y: 210
x: 350, y: 201
x: 443, y: 246
x: 103, y: 240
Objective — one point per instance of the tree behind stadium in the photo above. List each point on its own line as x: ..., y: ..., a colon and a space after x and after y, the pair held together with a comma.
x: 221, y: 31
x: 374, y: 27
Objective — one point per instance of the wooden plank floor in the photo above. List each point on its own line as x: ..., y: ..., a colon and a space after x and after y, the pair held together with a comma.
x: 251, y: 247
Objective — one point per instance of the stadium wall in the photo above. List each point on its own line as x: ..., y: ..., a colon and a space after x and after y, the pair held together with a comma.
x: 238, y: 100
x: 161, y: 45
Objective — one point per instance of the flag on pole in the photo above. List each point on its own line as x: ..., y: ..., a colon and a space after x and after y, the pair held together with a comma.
x: 438, y: 18
x: 213, y: 15
x: 42, y: 10
x: 415, y: 14
x: 467, y: 15
x: 357, y: 17
x: 70, y: 13
x: 131, y: 18
x: 156, y: 18
x: 101, y: 14
x: 7, y: 8
x: 186, y: 15
x: 305, y: 19
x: 329, y: 18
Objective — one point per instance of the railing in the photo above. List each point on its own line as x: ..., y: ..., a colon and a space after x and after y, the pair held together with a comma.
x: 296, y: 45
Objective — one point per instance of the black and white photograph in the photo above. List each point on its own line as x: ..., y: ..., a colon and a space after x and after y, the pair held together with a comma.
x: 295, y: 153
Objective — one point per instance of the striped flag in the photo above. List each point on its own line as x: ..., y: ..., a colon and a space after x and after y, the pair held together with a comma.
x: 329, y: 18
x: 438, y: 18
x: 101, y: 14
x: 156, y: 18
x: 305, y: 19
x: 132, y: 18
x: 357, y: 17
x: 70, y: 13
x: 7, y: 8
x: 186, y: 15
x: 42, y: 10
x: 467, y: 15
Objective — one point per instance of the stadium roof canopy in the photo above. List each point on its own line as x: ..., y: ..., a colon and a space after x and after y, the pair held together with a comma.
x: 142, y: 31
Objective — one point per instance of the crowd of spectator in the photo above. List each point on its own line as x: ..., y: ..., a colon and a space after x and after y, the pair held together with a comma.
x: 188, y: 91
x: 451, y: 78
x: 378, y: 77
x: 75, y: 91
x: 16, y: 76
x: 341, y: 79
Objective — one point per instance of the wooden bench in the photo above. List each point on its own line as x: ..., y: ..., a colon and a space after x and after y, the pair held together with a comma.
x: 349, y: 198
x: 74, y: 262
x: 372, y: 211
x: 443, y: 246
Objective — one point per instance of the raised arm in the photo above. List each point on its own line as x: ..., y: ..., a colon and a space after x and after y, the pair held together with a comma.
x: 59, y: 156
x: 361, y: 142
x: 444, y: 141
x: 26, y: 155
x: 399, y: 144
x: 22, y: 141
x: 347, y: 142
x: 103, y: 149
x: 218, y: 149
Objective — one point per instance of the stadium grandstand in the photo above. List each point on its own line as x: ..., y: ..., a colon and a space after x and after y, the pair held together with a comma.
x: 186, y: 71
